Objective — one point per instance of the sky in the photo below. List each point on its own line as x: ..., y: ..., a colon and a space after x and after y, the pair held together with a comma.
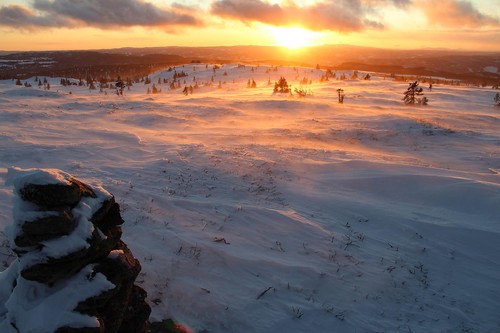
x: 97, y: 24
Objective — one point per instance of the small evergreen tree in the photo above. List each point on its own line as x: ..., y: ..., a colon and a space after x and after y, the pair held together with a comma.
x: 120, y: 85
x: 413, y: 93
x: 497, y: 99
x: 281, y: 86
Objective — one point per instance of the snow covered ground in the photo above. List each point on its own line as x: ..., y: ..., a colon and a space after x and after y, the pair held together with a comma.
x: 254, y: 212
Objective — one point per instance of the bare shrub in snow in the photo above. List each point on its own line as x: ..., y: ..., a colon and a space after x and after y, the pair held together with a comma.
x: 341, y: 95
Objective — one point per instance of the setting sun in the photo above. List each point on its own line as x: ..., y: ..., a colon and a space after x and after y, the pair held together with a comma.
x: 295, y: 38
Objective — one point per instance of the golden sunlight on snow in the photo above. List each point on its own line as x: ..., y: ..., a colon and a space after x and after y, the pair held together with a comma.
x: 258, y: 210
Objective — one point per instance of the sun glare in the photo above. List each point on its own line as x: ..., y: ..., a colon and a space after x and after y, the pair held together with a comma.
x: 295, y: 38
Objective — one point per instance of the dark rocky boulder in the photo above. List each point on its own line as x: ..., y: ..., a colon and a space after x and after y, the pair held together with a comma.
x: 135, y: 319
x: 67, y: 329
x: 58, y: 224
x: 53, y: 195
x: 108, y: 216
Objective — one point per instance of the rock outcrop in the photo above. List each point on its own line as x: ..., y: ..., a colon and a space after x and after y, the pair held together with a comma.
x: 73, y: 272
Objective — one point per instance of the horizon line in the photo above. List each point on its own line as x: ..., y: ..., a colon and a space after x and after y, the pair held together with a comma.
x: 256, y: 45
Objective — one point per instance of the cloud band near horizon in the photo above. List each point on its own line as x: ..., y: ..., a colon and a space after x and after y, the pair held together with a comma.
x: 336, y: 16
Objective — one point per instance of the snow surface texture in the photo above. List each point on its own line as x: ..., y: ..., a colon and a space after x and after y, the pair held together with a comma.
x: 254, y: 212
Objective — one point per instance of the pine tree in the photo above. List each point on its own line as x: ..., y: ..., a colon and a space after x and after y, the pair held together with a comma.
x: 120, y: 85
x: 411, y: 95
x: 281, y: 86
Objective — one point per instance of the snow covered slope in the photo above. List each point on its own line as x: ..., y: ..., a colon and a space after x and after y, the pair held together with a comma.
x: 254, y: 212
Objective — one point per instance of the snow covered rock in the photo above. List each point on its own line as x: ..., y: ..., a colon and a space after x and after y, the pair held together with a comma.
x: 73, y: 273
x: 65, y: 193
x: 54, y: 224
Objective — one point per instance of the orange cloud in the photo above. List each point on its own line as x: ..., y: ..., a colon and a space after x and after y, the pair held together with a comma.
x: 456, y: 14
x: 341, y: 15
x: 96, y: 13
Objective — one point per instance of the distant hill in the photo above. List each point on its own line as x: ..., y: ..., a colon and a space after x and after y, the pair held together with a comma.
x: 475, y: 67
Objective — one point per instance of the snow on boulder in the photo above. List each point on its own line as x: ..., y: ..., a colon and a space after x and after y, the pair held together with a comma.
x: 48, y: 187
x: 73, y: 273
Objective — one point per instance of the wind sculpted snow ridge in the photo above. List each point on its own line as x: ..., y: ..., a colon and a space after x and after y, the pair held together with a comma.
x: 254, y: 212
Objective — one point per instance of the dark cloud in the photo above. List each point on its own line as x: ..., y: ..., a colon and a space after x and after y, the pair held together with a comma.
x: 456, y: 13
x: 248, y: 10
x: 340, y: 15
x: 96, y: 13
x: 24, y: 18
